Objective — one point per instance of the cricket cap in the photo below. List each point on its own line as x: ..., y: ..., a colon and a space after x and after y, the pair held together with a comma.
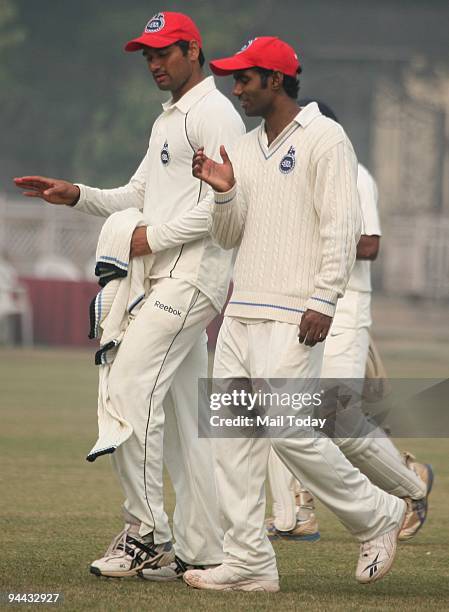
x: 163, y: 30
x: 268, y: 52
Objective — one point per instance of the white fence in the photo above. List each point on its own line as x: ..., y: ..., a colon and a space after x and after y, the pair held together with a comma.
x: 414, y: 261
x: 31, y: 231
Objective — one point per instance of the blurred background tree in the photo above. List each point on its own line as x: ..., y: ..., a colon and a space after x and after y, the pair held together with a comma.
x: 75, y: 106
x: 73, y: 103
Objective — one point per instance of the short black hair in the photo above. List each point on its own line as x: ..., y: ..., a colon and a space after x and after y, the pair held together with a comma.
x: 324, y: 108
x: 184, y: 46
x: 290, y: 84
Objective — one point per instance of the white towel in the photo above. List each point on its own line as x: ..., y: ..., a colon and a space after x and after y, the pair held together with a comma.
x: 123, y: 294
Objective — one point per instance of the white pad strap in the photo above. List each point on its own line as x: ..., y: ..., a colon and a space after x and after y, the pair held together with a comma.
x: 283, y: 489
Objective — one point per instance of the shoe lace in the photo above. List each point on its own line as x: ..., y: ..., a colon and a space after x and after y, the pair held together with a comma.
x: 119, y: 547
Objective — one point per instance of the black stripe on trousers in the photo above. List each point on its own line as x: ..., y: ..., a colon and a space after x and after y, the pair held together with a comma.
x: 151, y: 399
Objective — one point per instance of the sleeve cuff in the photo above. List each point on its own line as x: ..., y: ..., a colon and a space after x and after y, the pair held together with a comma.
x: 83, y: 196
x: 323, y: 301
x: 224, y: 197
x: 153, y: 240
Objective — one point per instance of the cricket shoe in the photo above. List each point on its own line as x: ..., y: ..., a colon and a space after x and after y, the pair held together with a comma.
x: 304, y: 531
x: 224, y: 578
x: 377, y: 555
x: 128, y: 553
x: 172, y: 571
x: 416, y: 514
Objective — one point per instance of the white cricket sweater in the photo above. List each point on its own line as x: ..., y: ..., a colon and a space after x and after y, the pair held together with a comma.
x: 295, y: 214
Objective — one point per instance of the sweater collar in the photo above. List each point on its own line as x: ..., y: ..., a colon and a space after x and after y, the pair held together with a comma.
x: 305, y: 116
x: 185, y: 103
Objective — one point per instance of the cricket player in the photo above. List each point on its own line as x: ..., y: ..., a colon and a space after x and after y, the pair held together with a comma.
x: 163, y: 352
x: 289, y: 202
x: 345, y: 355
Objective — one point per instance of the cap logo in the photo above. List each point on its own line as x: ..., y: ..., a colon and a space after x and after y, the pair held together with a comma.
x: 288, y: 161
x: 155, y: 24
x: 246, y: 45
x: 165, y: 155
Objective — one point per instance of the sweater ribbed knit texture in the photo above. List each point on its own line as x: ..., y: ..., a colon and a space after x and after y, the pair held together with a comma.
x: 297, y: 231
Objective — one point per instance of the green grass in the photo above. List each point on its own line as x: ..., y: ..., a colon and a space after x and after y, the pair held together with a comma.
x: 59, y: 512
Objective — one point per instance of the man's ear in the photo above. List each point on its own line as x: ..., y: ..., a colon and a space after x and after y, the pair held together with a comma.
x: 194, y: 50
x: 277, y: 78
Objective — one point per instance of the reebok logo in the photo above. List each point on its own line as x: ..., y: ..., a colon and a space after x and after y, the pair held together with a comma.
x: 168, y: 309
x: 372, y: 567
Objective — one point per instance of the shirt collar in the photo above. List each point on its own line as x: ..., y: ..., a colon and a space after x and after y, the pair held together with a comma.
x: 185, y: 103
x: 307, y: 114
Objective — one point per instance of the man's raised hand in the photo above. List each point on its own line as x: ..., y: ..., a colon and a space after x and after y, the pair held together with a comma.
x: 219, y: 176
x: 53, y: 191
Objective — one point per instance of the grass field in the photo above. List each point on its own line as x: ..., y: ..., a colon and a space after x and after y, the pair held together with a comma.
x: 59, y: 512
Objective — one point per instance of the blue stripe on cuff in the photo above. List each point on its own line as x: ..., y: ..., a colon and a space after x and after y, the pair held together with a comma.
x: 225, y: 201
x: 325, y: 301
x: 114, y: 259
x: 267, y: 306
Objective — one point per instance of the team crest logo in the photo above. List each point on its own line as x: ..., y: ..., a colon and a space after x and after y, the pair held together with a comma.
x: 155, y: 24
x: 165, y: 155
x: 288, y: 161
x: 246, y: 45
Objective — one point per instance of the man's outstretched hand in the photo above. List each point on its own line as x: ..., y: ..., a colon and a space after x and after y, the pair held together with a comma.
x: 219, y: 176
x: 314, y: 327
x: 53, y: 191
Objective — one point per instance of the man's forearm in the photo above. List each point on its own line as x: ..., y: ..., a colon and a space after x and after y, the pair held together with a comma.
x: 227, y: 219
x: 187, y: 227
x: 105, y: 202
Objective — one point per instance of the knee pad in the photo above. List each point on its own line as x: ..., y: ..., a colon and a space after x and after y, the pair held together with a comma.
x: 379, y: 459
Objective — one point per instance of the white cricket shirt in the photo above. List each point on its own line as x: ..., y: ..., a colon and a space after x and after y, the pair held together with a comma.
x: 354, y: 308
x: 175, y: 204
x: 360, y: 279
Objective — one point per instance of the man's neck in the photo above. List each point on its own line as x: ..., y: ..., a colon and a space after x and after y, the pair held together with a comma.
x: 193, y: 81
x: 279, y: 116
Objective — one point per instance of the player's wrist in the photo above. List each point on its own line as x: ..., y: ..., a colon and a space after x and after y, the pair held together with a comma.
x: 76, y: 199
x: 224, y: 188
x: 224, y: 197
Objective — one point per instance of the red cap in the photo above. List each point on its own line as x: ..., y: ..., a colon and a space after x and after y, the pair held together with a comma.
x: 263, y: 52
x: 163, y: 30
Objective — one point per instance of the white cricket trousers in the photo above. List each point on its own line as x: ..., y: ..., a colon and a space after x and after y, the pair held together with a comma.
x: 267, y: 350
x: 158, y: 364
x: 369, y: 449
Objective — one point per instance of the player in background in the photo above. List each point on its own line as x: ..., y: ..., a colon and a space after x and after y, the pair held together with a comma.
x: 289, y: 201
x: 345, y: 356
x: 164, y: 349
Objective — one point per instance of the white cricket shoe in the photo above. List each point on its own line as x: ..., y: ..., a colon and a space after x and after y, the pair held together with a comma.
x: 223, y: 578
x: 304, y: 531
x: 168, y: 573
x: 128, y: 553
x: 377, y: 555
